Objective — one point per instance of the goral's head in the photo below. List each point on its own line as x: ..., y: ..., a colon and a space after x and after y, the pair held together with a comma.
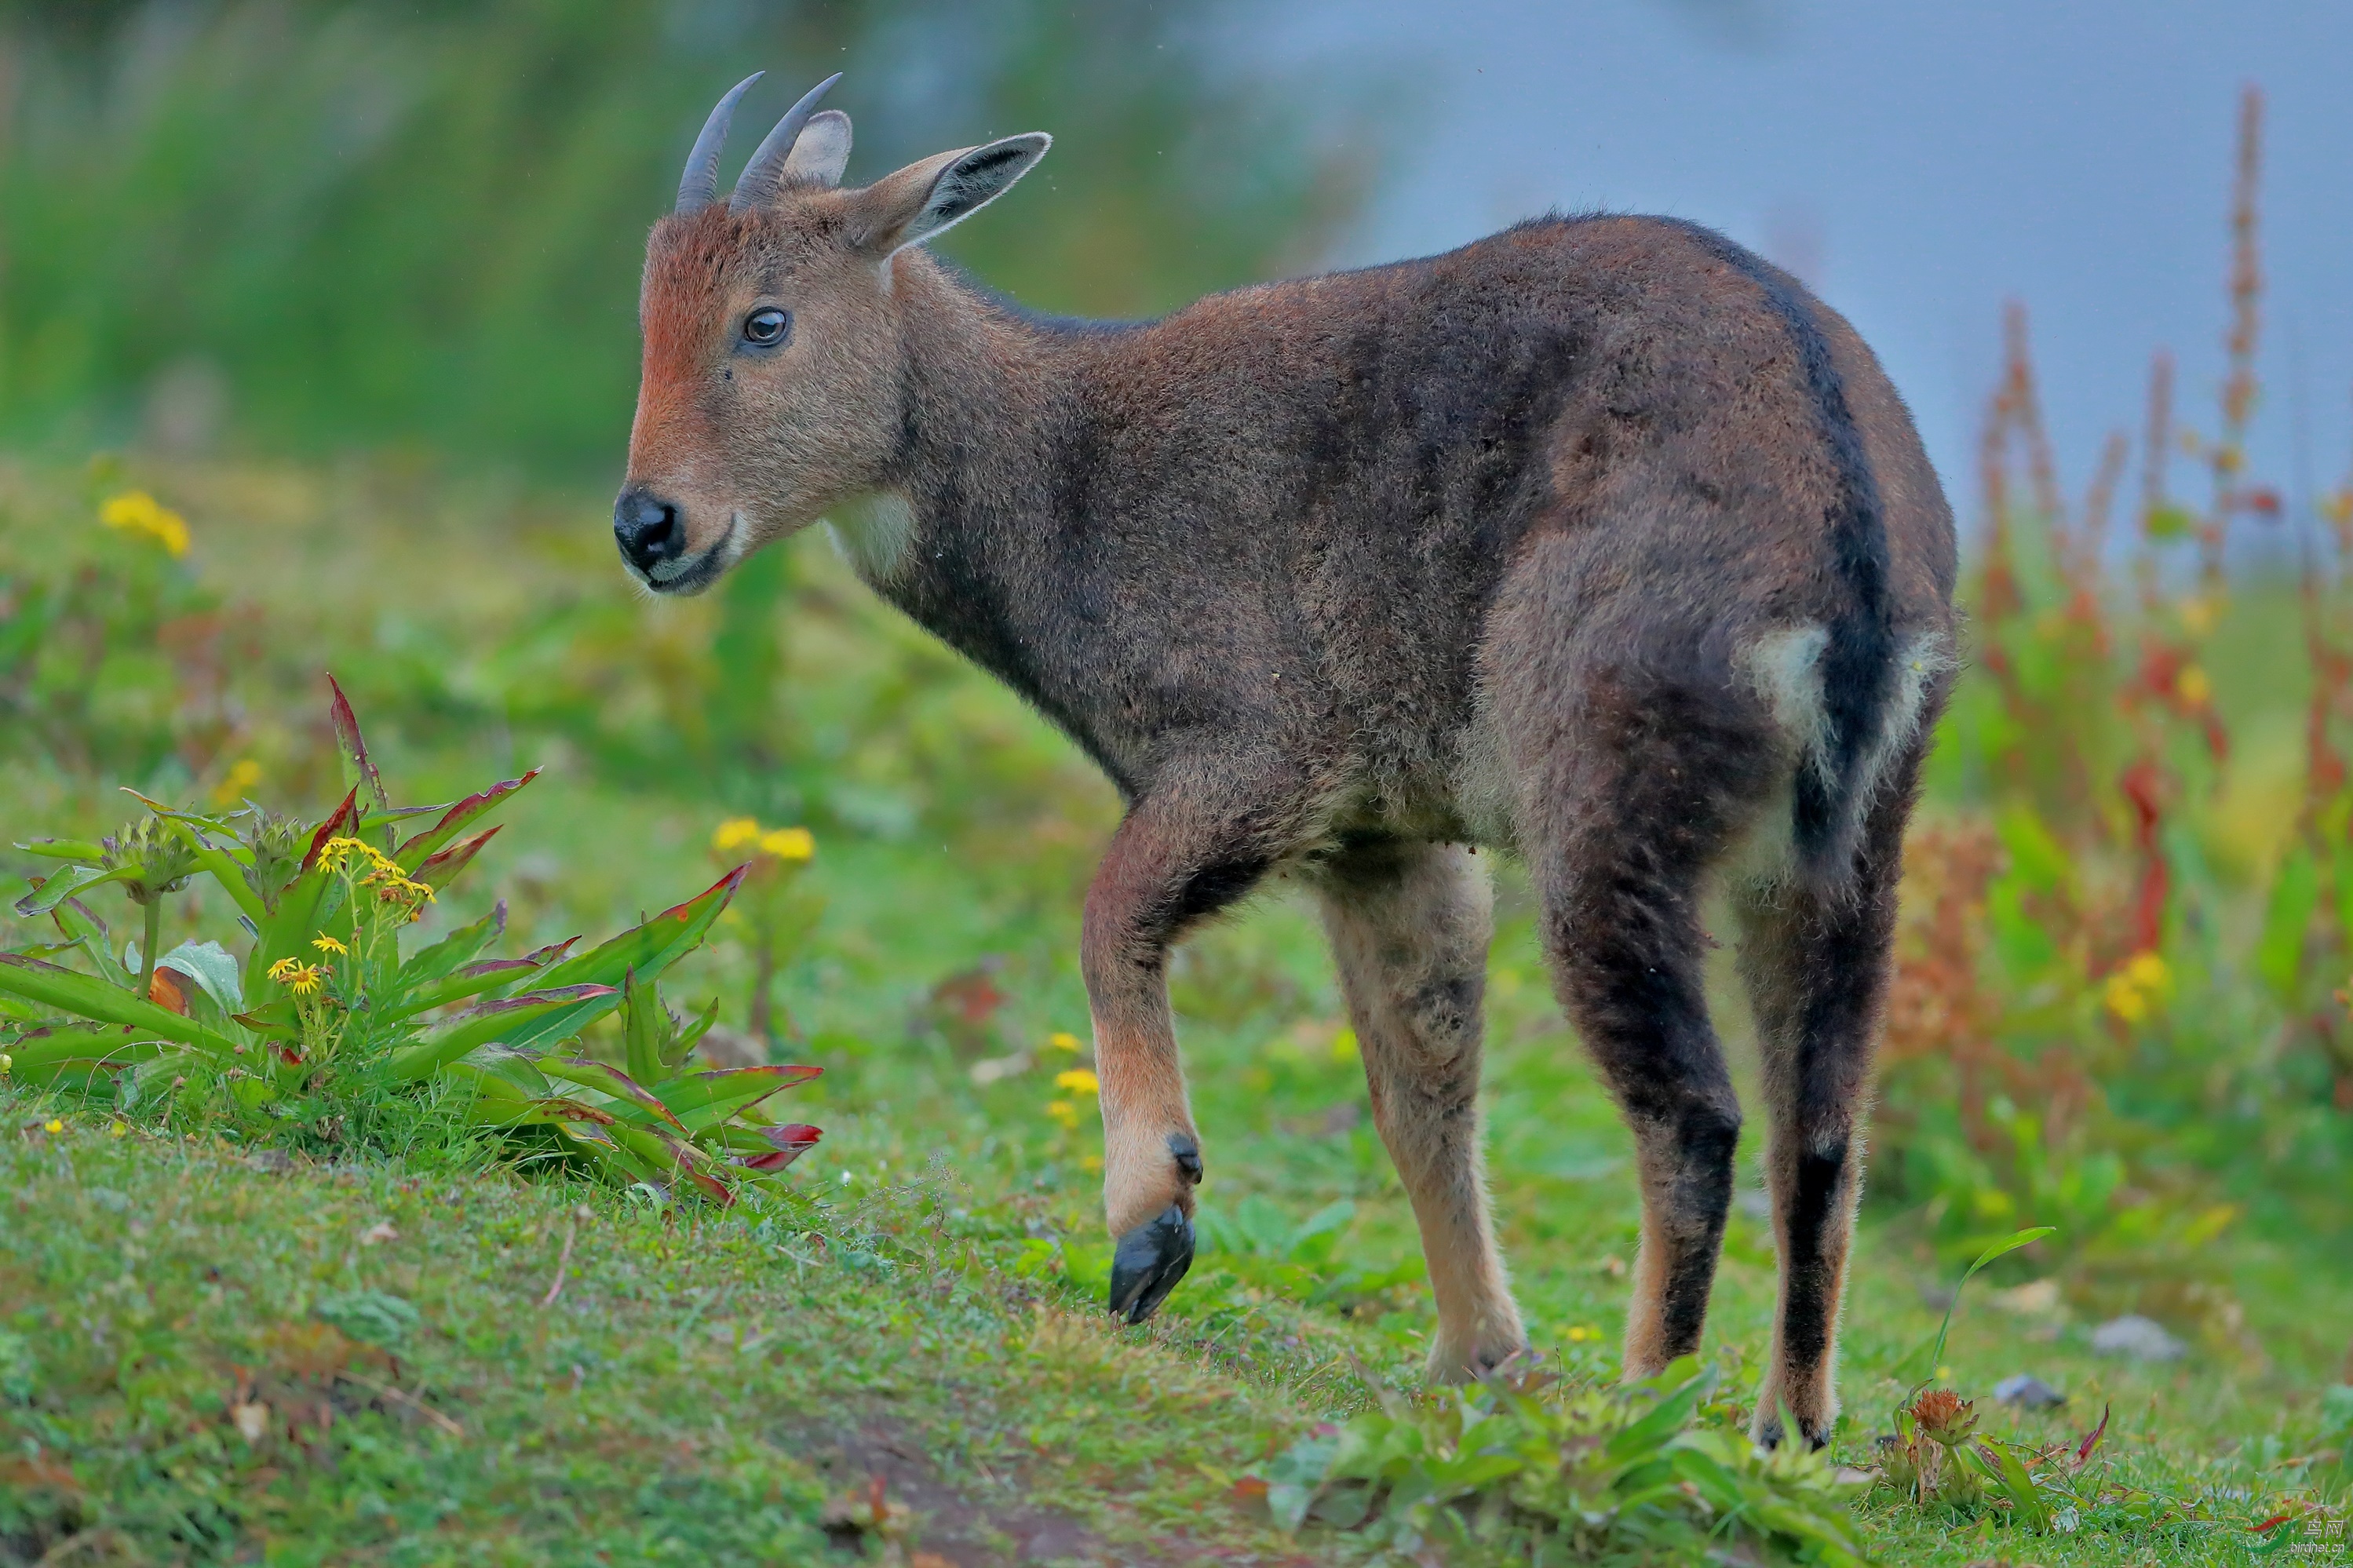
x: 772, y: 345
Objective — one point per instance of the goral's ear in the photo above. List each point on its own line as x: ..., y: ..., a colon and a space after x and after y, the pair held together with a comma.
x: 822, y: 153
x: 922, y: 199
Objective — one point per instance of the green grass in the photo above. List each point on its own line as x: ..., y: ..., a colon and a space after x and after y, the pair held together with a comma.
x: 920, y: 1302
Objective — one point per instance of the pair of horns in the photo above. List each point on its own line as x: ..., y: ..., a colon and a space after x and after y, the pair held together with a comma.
x: 761, y: 176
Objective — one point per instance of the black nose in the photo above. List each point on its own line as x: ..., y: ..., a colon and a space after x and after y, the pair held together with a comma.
x: 648, y: 529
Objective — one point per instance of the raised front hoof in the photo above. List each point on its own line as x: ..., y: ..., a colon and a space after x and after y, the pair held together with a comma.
x: 1148, y: 1262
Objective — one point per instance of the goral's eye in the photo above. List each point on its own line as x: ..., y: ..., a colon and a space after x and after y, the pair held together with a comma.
x: 767, y: 328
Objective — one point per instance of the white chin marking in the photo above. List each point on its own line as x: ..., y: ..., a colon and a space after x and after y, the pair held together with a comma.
x: 873, y: 535
x: 695, y: 573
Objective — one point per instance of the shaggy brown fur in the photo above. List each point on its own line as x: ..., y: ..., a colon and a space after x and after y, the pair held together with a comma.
x: 1599, y: 542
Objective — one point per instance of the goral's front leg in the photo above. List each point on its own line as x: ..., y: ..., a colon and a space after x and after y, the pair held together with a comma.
x: 1191, y: 847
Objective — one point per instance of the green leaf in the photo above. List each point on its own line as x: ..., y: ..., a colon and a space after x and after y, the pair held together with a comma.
x: 654, y: 946
x: 74, y: 921
x: 503, y: 1021
x: 453, y: 951
x: 2295, y: 894
x: 210, y: 965
x: 645, y: 1028
x: 2001, y: 1248
x: 2168, y: 519
x: 1682, y: 1384
x: 2036, y: 857
x: 704, y: 1100
x: 649, y: 949
x: 65, y: 848
x: 86, y: 997
x: 683, y: 1045
x: 2012, y: 1477
x: 223, y: 867
x: 60, y: 1044
x: 490, y: 974
x: 56, y: 890
x: 630, y: 1095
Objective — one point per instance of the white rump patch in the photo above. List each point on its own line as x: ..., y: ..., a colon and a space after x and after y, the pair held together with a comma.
x: 1785, y: 667
x: 1924, y: 658
x: 873, y: 535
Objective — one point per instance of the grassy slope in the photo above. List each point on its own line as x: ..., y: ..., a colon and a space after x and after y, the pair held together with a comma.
x: 935, y: 1316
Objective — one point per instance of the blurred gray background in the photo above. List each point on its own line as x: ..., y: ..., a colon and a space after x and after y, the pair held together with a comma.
x: 1919, y: 163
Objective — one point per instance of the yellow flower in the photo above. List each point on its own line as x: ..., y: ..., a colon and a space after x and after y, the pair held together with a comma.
x: 6, y: 1061
x: 242, y: 775
x: 53, y: 1125
x: 117, y: 1131
x: 2124, y: 999
x: 328, y: 944
x: 1077, y: 1080
x: 1344, y: 1045
x: 340, y: 853
x: 733, y: 834
x: 790, y: 844
x: 1090, y: 1163
x: 1063, y: 1040
x: 2193, y: 686
x: 2138, y: 985
x: 303, y: 979
x: 1063, y: 1111
x: 2199, y: 614
x: 1580, y: 1333
x: 138, y: 513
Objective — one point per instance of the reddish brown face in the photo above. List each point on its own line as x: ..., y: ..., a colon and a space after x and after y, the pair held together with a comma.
x: 769, y: 349
x: 773, y: 346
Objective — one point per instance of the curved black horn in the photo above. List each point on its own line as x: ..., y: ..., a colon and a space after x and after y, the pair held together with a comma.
x: 758, y: 181
x: 701, y: 181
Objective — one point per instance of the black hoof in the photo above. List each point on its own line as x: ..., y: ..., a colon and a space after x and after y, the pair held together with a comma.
x: 1149, y: 1261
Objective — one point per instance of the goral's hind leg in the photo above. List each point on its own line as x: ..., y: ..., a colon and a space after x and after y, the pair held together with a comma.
x: 1816, y: 963
x: 1409, y: 925
x: 1195, y: 843
x: 1634, y: 772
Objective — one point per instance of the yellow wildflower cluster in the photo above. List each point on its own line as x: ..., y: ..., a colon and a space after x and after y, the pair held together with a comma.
x: 790, y: 844
x: 328, y: 944
x: 139, y: 514
x: 303, y: 979
x: 1063, y: 1040
x: 2137, y: 988
x: 1063, y: 1111
x: 393, y: 886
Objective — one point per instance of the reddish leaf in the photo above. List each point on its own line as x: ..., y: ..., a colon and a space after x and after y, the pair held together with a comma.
x: 168, y: 988
x: 456, y: 817
x: 495, y: 966
x: 553, y: 953
x: 2092, y: 1440
x: 791, y: 1142
x: 2271, y: 1523
x: 339, y: 825
x: 354, y: 750
x: 439, y: 870
x: 535, y: 999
